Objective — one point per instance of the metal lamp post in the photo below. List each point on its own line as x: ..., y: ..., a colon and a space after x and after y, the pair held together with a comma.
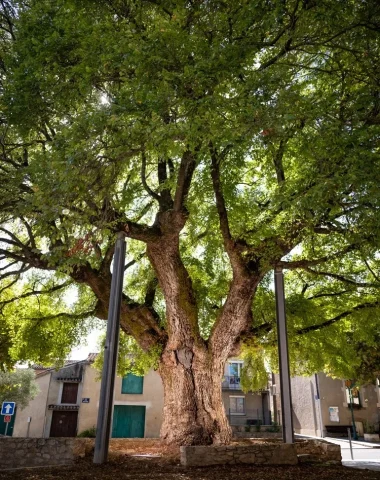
x: 110, y: 355
x: 350, y: 385
x: 283, y: 355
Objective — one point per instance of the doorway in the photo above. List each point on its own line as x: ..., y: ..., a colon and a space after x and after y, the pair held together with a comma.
x: 64, y: 424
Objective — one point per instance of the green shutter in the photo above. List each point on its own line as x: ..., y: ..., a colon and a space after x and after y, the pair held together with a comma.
x: 132, y: 384
x: 128, y: 421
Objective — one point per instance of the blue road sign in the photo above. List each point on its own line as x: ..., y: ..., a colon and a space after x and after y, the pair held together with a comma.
x: 8, y: 408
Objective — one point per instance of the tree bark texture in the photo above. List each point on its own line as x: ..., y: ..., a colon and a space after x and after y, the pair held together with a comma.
x: 193, y: 412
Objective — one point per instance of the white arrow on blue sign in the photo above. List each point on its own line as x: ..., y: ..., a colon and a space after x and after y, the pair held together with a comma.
x: 8, y: 408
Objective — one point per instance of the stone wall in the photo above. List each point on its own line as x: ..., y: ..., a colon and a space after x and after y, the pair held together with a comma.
x: 318, y: 451
x: 35, y: 452
x: 262, y: 454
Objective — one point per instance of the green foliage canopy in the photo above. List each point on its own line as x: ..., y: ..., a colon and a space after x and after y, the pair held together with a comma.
x: 18, y: 386
x: 258, y: 121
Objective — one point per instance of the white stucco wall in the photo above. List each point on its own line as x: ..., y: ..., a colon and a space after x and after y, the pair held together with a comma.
x: 36, y: 410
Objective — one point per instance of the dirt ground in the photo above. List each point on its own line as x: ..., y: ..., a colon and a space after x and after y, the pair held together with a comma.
x: 151, y: 460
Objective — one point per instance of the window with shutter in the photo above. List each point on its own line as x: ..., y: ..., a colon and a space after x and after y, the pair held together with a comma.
x: 69, y: 393
x: 132, y: 384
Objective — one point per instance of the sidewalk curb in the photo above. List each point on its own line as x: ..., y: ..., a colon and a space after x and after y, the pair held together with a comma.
x: 354, y: 442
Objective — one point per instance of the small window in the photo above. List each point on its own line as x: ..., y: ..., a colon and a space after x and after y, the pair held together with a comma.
x: 355, y: 397
x: 69, y: 393
x: 234, y: 369
x: 237, y: 405
x: 132, y: 384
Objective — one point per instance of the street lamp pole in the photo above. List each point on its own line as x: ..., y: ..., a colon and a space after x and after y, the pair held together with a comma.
x: 110, y: 354
x: 350, y: 385
x: 283, y: 355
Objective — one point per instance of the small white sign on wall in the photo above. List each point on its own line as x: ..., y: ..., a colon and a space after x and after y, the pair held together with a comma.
x: 334, y: 414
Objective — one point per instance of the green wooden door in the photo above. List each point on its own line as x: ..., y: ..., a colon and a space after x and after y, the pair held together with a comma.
x: 128, y: 421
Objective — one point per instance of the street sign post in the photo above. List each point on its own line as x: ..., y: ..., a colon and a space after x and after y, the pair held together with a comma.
x: 7, y: 419
x: 8, y: 408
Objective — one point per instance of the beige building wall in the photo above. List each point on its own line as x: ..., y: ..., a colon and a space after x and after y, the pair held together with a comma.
x: 36, y: 410
x: 88, y: 412
x: 333, y: 394
x: 311, y: 415
x: 152, y: 398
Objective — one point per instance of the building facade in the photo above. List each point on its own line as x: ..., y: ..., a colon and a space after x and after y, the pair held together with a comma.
x: 68, y: 402
x: 251, y: 408
x: 322, y: 406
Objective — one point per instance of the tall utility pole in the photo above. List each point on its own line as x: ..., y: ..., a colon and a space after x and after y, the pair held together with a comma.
x: 283, y: 356
x: 110, y: 354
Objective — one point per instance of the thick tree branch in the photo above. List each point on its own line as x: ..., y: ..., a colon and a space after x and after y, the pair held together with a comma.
x: 305, y: 263
x: 176, y: 285
x: 36, y: 292
x: 151, y: 292
x: 278, y: 165
x: 24, y: 268
x: 140, y: 232
x: 220, y: 203
x: 229, y: 244
x: 166, y: 201
x: 327, y: 323
x: 144, y: 182
x: 235, y: 318
x: 69, y: 316
x: 341, y: 278
x: 376, y: 277
x: 185, y: 175
x: 332, y: 294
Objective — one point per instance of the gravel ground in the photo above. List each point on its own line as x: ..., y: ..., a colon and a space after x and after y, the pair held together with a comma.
x: 150, y: 460
x: 151, y: 469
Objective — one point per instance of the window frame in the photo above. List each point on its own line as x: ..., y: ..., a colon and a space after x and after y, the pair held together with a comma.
x: 237, y: 413
x: 124, y: 387
x: 63, y: 391
x: 357, y: 404
x: 239, y: 364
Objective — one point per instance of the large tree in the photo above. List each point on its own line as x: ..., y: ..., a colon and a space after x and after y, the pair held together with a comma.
x: 223, y: 139
x: 18, y: 386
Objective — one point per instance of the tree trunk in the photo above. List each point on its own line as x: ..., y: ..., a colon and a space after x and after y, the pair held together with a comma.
x: 193, y: 413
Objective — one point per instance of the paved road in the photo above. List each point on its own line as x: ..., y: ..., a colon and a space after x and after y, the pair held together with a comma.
x: 364, y: 456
